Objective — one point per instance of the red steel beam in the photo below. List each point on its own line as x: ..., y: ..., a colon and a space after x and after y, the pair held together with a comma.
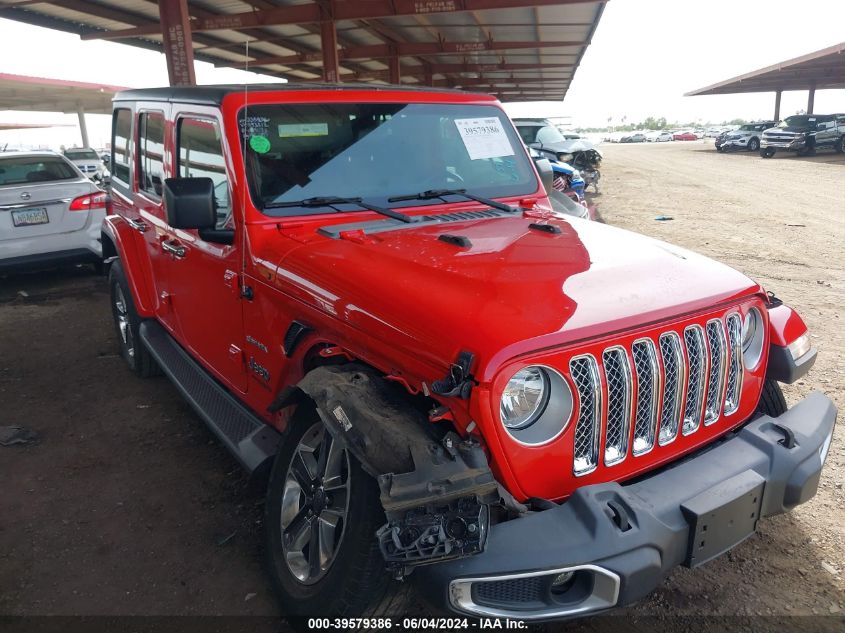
x: 328, y: 45
x: 178, y: 46
x: 341, y: 10
x: 380, y: 51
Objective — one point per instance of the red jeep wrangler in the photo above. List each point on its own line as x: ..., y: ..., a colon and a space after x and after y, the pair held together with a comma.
x: 364, y: 293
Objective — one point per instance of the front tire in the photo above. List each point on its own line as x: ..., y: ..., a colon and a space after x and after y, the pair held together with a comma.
x: 321, y: 515
x: 753, y: 145
x: 127, y: 323
x: 772, y: 402
x: 840, y: 145
x: 767, y: 152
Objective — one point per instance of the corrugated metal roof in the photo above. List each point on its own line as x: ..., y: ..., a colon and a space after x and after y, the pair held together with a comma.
x: 819, y: 70
x: 482, y: 45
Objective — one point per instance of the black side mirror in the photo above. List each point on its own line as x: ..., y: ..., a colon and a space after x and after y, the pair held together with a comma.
x: 547, y: 174
x: 189, y: 203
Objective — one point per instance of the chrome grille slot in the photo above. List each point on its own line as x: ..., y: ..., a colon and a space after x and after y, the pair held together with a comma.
x: 585, y: 375
x: 698, y: 367
x: 674, y: 383
x: 632, y: 397
x: 716, y: 378
x: 734, y: 384
x: 618, y: 376
x: 648, y: 389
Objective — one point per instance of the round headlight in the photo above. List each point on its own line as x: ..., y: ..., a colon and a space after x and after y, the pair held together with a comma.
x: 536, y: 405
x: 752, y: 338
x: 524, y: 397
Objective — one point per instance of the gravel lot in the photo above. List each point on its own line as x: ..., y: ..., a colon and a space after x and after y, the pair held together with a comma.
x: 128, y: 506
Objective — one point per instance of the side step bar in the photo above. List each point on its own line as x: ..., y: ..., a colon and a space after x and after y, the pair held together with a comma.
x: 250, y: 439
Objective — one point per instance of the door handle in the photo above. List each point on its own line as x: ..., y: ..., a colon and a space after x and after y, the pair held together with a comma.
x: 174, y: 248
x: 138, y: 225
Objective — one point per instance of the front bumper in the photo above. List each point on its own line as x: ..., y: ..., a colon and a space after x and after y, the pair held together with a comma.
x: 620, y: 541
x: 787, y: 144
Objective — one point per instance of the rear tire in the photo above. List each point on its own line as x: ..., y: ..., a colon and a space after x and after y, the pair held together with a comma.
x: 127, y: 324
x: 352, y: 581
x: 772, y: 402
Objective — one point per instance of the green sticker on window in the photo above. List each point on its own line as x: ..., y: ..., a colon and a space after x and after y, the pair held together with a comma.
x: 259, y: 144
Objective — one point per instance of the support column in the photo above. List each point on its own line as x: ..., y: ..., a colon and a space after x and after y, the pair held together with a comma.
x: 811, y: 99
x: 428, y: 76
x: 395, y: 73
x: 777, y: 105
x: 83, y: 128
x: 178, y: 44
x: 328, y: 43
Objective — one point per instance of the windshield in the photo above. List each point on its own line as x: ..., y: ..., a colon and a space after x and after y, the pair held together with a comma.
x: 377, y: 151
x: 18, y: 170
x: 800, y: 120
x: 82, y: 154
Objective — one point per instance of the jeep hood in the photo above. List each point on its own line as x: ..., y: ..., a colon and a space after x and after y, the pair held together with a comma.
x: 513, y: 290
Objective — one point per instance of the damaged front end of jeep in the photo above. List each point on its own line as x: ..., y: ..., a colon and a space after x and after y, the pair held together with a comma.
x: 437, y: 489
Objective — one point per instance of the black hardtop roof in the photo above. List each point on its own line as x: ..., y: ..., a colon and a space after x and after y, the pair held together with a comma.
x: 214, y: 95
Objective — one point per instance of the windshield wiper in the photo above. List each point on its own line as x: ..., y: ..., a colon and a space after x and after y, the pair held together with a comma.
x: 440, y: 193
x: 332, y: 201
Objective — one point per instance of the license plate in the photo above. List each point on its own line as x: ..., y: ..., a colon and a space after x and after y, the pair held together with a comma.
x: 723, y: 516
x: 29, y: 217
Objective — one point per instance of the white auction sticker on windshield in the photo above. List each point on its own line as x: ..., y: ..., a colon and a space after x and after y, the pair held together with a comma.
x: 484, y: 138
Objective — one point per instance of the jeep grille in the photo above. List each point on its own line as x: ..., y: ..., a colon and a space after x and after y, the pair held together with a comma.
x: 664, y: 384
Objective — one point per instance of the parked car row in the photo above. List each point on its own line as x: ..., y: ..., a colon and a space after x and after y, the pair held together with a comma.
x: 654, y: 136
x: 800, y: 133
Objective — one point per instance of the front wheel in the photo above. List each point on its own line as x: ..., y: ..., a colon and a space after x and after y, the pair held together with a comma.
x: 840, y: 145
x: 321, y: 515
x: 753, y: 145
x: 772, y: 402
x: 767, y: 152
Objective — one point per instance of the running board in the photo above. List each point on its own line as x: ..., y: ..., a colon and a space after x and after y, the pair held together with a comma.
x: 249, y: 438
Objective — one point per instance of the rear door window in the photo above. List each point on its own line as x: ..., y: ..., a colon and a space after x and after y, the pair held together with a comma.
x: 200, y: 154
x: 120, y: 156
x: 151, y: 153
x: 21, y: 170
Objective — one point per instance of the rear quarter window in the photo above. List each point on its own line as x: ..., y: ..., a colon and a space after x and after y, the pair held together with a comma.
x: 120, y: 156
x: 28, y: 169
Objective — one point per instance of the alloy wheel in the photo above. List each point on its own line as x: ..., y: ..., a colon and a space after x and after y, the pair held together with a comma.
x: 123, y: 324
x: 315, y: 504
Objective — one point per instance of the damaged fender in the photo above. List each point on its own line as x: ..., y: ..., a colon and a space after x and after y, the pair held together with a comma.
x: 435, y: 492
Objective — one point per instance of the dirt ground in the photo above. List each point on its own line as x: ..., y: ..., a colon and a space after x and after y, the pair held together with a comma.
x: 127, y: 505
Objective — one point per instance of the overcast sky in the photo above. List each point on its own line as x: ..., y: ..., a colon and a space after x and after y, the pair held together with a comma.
x: 644, y: 56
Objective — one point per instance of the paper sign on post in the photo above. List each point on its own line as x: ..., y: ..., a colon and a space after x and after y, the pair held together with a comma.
x: 484, y: 138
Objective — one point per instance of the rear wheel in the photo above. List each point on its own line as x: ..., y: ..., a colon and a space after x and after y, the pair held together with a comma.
x: 127, y: 323
x: 321, y: 515
x: 772, y: 402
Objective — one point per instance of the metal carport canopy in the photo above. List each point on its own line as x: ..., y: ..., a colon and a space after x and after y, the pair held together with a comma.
x: 824, y: 69
x: 40, y: 94
x: 516, y: 49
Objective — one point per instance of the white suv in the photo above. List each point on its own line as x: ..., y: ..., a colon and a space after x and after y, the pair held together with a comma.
x: 50, y: 213
x: 89, y: 163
